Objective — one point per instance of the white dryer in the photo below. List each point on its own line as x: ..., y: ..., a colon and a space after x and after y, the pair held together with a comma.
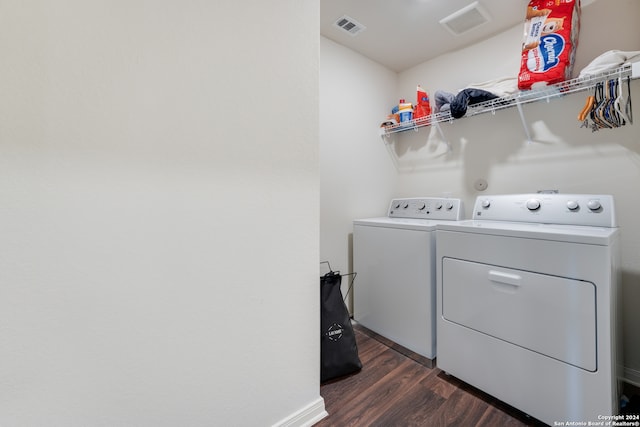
x: 394, y: 257
x: 527, y: 303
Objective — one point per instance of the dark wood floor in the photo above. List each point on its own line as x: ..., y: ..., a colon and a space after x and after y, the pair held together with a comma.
x: 395, y: 388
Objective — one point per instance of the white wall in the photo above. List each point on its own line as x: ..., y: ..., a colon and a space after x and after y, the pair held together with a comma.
x: 149, y: 273
x: 562, y: 156
x: 357, y: 175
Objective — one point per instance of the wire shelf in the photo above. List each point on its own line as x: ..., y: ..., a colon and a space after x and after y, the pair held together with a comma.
x: 515, y: 100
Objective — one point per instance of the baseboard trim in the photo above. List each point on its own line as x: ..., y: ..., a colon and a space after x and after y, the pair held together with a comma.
x: 305, y: 417
x: 631, y: 376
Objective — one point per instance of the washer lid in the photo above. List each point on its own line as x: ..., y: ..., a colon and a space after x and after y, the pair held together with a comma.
x: 403, y: 223
x: 556, y: 232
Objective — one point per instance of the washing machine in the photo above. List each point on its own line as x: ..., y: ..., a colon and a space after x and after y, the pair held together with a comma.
x: 527, y: 303
x: 394, y: 257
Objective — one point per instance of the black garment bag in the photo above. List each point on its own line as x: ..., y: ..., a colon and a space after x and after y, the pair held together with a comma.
x: 338, y: 348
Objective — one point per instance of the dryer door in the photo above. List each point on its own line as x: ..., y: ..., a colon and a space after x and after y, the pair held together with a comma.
x: 550, y: 315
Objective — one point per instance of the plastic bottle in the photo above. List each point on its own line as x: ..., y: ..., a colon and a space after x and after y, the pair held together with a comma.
x: 405, y: 110
x: 423, y: 106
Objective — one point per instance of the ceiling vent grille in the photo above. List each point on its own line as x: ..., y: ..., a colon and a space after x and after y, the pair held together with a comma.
x: 349, y: 25
x: 466, y: 19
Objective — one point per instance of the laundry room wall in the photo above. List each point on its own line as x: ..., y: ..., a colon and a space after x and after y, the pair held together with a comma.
x: 356, y: 177
x: 560, y: 155
x: 159, y: 213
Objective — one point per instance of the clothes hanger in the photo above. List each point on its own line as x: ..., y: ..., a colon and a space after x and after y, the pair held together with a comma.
x: 618, y: 102
x: 627, y: 112
x: 594, y: 113
x: 607, y: 107
x: 610, y: 114
x: 600, y: 114
x: 584, y: 115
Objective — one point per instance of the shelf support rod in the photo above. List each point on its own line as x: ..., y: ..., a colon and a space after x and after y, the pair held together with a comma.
x: 524, y: 121
x: 439, y: 129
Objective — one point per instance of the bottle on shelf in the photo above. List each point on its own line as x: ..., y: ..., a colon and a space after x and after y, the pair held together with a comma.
x: 405, y: 111
x: 423, y: 107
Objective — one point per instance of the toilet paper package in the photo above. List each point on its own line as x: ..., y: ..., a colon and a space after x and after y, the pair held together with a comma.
x: 550, y: 40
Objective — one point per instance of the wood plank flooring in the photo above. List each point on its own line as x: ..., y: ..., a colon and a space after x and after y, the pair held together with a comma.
x: 395, y: 388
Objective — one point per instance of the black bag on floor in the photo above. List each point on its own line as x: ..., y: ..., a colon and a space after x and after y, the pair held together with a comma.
x: 338, y: 348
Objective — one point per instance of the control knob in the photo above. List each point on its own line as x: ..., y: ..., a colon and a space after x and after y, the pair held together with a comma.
x: 438, y: 205
x: 421, y: 206
x: 572, y: 205
x: 449, y: 206
x: 533, y: 204
x: 486, y: 203
x: 594, y: 205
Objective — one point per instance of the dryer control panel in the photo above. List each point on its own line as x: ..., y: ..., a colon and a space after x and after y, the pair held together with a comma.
x: 595, y: 210
x: 426, y: 208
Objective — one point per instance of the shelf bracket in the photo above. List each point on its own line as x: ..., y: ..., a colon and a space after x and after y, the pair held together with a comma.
x: 384, y: 136
x: 524, y: 122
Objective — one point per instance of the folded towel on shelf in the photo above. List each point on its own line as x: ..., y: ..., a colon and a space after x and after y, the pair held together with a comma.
x: 503, y: 86
x: 609, y: 60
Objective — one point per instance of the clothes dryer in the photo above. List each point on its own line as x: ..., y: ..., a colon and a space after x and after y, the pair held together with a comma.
x: 527, y: 303
x: 394, y: 257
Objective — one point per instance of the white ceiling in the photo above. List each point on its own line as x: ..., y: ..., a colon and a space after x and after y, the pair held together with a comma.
x: 400, y: 34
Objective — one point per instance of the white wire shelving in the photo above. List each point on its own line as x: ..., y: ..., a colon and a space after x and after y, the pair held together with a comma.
x: 517, y: 100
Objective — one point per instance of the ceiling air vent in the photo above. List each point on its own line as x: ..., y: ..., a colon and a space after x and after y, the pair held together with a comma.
x: 349, y: 25
x: 466, y: 19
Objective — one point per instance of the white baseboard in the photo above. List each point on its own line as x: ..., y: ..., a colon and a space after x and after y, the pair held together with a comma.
x: 305, y: 417
x: 631, y: 376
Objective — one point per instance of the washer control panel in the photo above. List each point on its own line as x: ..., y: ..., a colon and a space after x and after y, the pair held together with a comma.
x: 426, y: 208
x: 548, y: 208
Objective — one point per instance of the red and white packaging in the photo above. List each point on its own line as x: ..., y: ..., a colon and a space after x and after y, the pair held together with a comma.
x: 423, y: 106
x: 550, y: 40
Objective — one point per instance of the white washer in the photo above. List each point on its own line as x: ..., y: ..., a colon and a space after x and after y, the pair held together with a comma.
x: 527, y: 295
x: 394, y: 257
